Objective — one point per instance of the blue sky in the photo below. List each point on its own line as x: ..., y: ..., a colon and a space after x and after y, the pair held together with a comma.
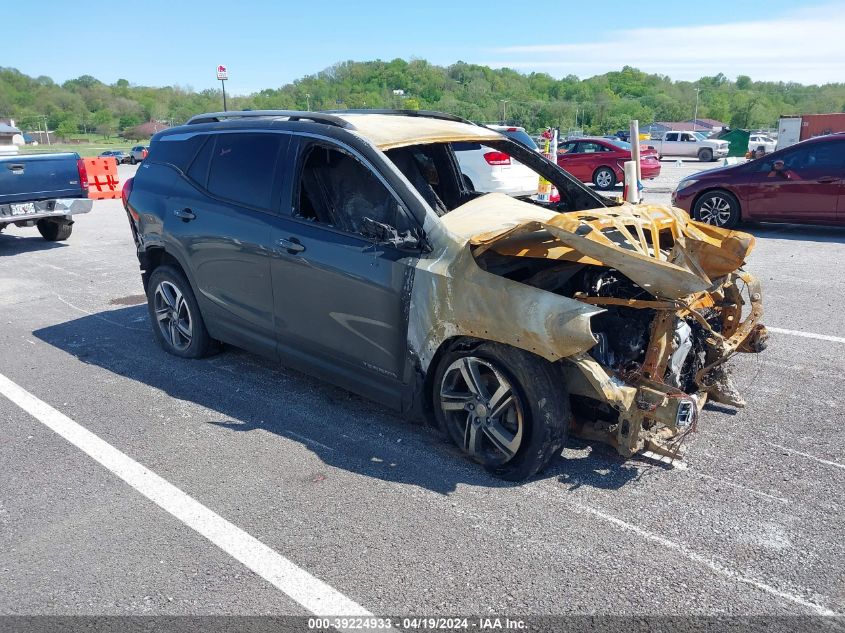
x: 266, y: 44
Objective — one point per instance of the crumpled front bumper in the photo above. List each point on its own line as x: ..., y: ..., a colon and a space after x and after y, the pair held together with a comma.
x: 650, y: 415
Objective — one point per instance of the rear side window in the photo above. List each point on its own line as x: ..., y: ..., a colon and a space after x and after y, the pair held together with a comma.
x: 243, y: 167
x: 590, y: 148
x: 178, y: 153
x: 671, y: 137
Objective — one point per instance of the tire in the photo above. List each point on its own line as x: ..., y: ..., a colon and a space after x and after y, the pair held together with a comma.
x: 705, y: 155
x: 132, y: 160
x: 55, y: 230
x: 719, y: 208
x: 175, y: 315
x: 533, y: 408
x: 604, y: 178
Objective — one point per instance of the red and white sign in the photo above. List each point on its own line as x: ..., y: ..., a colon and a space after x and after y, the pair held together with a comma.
x: 222, y: 73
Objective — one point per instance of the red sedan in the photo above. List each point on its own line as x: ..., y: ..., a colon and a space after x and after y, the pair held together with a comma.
x: 601, y: 161
x: 803, y: 183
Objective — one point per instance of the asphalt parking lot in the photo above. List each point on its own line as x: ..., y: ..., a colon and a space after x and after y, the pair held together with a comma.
x: 385, y: 512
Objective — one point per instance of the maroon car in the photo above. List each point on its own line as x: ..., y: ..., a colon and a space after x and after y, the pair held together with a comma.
x: 601, y: 160
x: 803, y: 183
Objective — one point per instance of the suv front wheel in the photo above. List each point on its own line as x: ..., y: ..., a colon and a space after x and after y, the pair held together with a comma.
x: 503, y: 407
x: 175, y: 314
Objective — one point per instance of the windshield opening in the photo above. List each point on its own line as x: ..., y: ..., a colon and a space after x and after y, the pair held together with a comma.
x: 448, y: 175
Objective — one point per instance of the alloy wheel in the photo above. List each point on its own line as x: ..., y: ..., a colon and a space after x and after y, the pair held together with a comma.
x: 715, y: 210
x: 483, y: 407
x: 604, y: 179
x: 173, y: 316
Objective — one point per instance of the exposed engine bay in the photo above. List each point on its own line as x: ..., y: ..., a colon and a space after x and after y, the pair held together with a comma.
x: 670, y: 316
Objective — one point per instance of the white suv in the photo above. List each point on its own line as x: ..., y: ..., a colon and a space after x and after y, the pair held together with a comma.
x: 490, y: 171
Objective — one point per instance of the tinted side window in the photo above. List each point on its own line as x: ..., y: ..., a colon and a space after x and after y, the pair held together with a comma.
x: 590, y: 148
x: 198, y: 171
x: 243, y: 167
x: 671, y: 137
x: 178, y: 153
x: 465, y: 146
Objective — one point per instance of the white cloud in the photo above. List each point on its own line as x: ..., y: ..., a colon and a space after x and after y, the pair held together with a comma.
x: 807, y: 46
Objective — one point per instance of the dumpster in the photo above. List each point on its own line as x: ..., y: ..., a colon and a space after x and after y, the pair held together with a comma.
x: 738, y: 140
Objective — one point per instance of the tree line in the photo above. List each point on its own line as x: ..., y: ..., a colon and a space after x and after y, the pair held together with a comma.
x: 597, y: 105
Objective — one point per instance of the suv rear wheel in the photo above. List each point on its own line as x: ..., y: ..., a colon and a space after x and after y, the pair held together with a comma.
x: 175, y: 314
x: 503, y: 407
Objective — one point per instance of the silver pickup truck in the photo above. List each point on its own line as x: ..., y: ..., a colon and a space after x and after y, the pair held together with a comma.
x: 43, y: 190
x: 675, y: 143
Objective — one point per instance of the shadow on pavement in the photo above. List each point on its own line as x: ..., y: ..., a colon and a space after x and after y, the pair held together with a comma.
x: 802, y: 232
x: 16, y: 244
x: 254, y: 394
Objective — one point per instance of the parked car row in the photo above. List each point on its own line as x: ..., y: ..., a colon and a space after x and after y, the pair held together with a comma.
x: 136, y: 155
x: 119, y: 156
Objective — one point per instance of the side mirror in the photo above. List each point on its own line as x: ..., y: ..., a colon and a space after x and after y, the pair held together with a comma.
x: 382, y: 233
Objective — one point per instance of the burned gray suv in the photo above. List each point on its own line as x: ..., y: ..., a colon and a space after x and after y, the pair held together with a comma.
x: 347, y: 245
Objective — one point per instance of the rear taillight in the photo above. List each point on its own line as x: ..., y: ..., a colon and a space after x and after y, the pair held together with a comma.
x: 83, y: 173
x: 127, y: 190
x: 497, y: 158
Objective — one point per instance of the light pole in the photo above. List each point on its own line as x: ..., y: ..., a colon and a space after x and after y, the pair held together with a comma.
x: 308, y: 101
x: 504, y: 111
x: 695, y: 112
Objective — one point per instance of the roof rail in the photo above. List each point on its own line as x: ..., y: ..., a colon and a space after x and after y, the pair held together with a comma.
x: 428, y: 114
x: 291, y: 115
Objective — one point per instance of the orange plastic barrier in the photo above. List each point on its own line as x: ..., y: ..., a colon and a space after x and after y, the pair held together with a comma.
x: 103, y: 181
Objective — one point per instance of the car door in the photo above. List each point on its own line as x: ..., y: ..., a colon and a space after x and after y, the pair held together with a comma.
x: 688, y: 145
x: 341, y: 294
x: 801, y: 183
x: 669, y: 146
x: 577, y: 161
x: 222, y: 227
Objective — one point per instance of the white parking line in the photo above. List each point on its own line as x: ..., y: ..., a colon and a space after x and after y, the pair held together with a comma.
x: 704, y: 560
x: 310, y: 592
x: 819, y: 337
x: 807, y: 455
x: 716, y: 566
x: 725, y: 482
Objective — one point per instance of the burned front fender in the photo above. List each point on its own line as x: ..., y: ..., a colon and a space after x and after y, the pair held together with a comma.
x: 452, y: 296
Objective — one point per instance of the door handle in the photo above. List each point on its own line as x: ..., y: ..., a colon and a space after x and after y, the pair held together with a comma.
x: 186, y: 215
x: 827, y: 179
x: 291, y: 245
x: 15, y: 166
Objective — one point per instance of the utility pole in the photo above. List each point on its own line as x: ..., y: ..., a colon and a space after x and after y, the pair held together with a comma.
x: 308, y: 102
x: 695, y: 112
x: 504, y: 111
